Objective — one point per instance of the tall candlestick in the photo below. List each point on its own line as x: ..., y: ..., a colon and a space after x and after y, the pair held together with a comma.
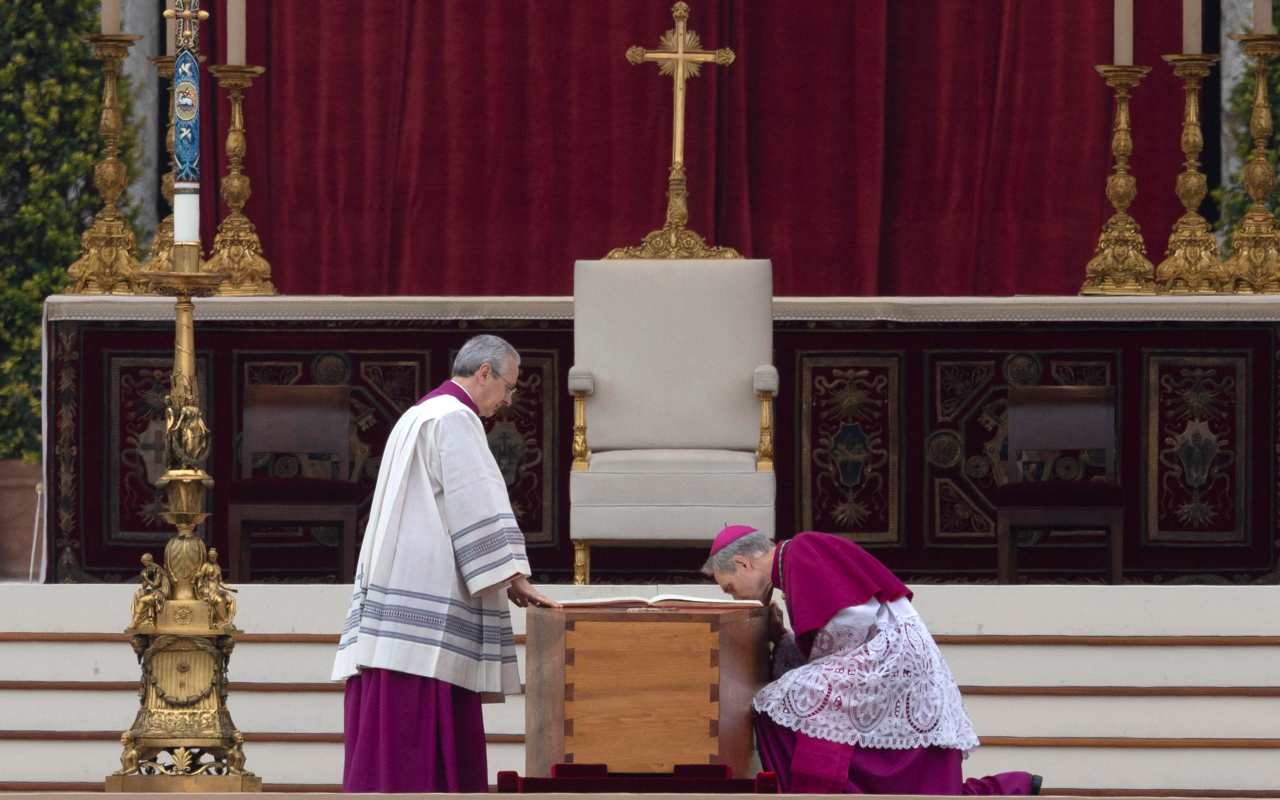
x: 106, y: 264
x: 1192, y: 31
x: 110, y: 16
x: 235, y: 32
x: 1120, y: 265
x: 1123, y: 55
x: 1262, y: 17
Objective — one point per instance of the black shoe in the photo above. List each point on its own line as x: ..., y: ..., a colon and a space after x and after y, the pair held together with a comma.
x: 1036, y: 782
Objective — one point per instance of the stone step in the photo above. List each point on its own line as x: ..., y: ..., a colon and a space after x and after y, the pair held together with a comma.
x: 1115, y: 764
x: 314, y: 763
x: 981, y: 664
x: 1068, y: 715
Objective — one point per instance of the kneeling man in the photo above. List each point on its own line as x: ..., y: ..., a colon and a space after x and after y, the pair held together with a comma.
x: 862, y: 701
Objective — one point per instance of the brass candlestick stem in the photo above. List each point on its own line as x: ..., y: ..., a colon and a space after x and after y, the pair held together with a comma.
x: 1191, y: 261
x: 182, y: 626
x: 160, y: 258
x: 1254, y: 265
x: 1120, y: 265
x: 107, y: 264
x: 237, y: 251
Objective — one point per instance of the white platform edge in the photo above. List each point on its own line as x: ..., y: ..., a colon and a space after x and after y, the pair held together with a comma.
x: 1022, y: 308
x: 947, y: 609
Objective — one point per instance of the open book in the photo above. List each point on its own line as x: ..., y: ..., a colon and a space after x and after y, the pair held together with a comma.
x: 661, y: 600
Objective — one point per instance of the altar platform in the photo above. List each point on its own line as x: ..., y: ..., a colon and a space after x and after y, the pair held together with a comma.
x: 890, y: 426
x: 1107, y: 691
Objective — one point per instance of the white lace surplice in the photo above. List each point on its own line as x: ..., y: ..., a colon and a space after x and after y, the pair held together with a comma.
x: 875, y: 678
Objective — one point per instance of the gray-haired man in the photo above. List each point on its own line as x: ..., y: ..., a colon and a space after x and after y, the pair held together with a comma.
x: 428, y: 634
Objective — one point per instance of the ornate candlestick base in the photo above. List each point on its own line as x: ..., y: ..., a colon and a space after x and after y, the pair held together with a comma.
x: 237, y: 252
x: 1191, y: 263
x: 1120, y: 265
x: 107, y: 264
x: 1254, y: 265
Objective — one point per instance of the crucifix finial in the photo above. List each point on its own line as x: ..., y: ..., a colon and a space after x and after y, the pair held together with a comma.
x: 188, y: 16
x: 680, y: 56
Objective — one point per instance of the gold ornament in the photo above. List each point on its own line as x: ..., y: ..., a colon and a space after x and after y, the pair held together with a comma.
x: 1191, y: 263
x: 107, y: 264
x: 237, y: 251
x: 1120, y: 265
x: 1254, y: 264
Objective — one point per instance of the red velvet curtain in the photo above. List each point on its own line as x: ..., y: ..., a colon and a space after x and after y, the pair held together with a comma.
x: 867, y: 147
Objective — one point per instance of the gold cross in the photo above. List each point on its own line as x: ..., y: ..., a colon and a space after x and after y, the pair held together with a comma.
x: 188, y: 15
x: 681, y: 56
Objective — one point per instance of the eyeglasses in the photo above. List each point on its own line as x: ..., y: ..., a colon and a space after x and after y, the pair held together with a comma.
x: 511, y: 387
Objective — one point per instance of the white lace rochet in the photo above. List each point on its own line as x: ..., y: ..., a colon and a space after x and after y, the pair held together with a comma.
x: 875, y: 678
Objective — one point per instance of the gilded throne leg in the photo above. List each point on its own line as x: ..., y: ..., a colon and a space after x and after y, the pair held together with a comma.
x: 581, y: 564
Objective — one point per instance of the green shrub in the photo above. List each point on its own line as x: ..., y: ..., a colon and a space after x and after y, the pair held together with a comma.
x: 50, y: 90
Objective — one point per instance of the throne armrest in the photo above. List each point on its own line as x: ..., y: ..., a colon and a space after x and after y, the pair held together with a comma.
x: 765, y: 382
x: 582, y: 383
x: 764, y: 379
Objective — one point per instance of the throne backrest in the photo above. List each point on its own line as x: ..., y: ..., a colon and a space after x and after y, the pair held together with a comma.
x: 672, y: 346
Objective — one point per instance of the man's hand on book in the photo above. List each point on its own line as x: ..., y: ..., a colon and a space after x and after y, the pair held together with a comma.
x: 522, y: 593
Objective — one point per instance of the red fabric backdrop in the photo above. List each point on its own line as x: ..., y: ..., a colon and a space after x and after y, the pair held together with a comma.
x: 868, y: 147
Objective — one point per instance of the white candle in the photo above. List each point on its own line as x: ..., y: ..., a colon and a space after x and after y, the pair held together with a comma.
x: 110, y: 16
x: 1124, y: 32
x: 170, y: 31
x: 1262, y: 16
x: 1192, y: 32
x: 186, y: 213
x: 235, y: 32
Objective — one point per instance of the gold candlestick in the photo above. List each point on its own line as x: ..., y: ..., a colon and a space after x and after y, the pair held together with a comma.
x: 237, y: 251
x: 160, y: 258
x: 1254, y: 265
x: 183, y: 619
x: 107, y: 264
x: 1192, y: 263
x: 1120, y: 265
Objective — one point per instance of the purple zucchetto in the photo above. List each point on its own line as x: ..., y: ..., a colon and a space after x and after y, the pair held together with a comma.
x: 728, y: 535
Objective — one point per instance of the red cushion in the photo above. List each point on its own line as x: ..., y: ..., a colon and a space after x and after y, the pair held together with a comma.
x: 1041, y: 494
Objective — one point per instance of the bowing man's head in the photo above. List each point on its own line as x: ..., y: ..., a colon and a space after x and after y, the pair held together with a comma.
x: 488, y: 367
x: 741, y: 561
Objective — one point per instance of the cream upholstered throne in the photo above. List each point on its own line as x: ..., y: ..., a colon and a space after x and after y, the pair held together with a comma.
x: 673, y: 384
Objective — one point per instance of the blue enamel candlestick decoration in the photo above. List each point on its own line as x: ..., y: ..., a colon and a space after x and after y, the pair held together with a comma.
x: 186, y: 134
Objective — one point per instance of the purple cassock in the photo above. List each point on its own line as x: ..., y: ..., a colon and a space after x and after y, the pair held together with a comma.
x: 822, y: 575
x: 408, y: 733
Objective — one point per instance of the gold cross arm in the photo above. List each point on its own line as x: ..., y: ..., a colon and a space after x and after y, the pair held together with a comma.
x: 169, y: 13
x: 722, y: 57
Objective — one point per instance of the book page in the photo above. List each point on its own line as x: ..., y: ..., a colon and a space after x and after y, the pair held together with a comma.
x: 661, y: 599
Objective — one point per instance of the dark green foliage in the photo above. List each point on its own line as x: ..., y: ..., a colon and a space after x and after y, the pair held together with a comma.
x: 50, y: 90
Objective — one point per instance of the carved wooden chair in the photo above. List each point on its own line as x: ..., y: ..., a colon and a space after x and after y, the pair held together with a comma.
x: 1053, y: 418
x: 296, y: 421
